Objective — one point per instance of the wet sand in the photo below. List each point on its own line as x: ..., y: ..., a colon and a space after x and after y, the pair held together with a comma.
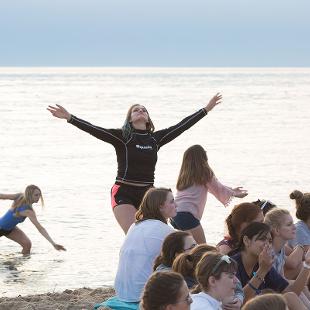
x: 79, y: 299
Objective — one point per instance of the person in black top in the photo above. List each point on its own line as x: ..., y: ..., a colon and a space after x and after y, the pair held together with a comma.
x: 136, y: 145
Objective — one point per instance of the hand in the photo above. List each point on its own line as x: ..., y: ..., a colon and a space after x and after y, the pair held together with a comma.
x: 59, y: 112
x: 265, y: 259
x: 307, y: 257
x: 231, y: 304
x: 213, y: 102
x: 240, y: 192
x: 59, y: 247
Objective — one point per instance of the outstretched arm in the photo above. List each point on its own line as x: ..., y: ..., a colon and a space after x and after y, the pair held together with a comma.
x: 215, y: 100
x: 10, y: 196
x: 33, y: 218
x: 59, y: 111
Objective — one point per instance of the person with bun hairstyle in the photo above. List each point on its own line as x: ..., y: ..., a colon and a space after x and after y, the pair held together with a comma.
x: 165, y: 290
x: 197, y: 179
x: 215, y: 274
x: 303, y: 214
x: 174, y: 244
x: 136, y: 145
x: 240, y: 217
x: 20, y: 210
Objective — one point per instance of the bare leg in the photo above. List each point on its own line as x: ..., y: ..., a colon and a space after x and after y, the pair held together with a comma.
x: 198, y: 234
x: 293, y: 302
x: 125, y: 215
x: 20, y: 237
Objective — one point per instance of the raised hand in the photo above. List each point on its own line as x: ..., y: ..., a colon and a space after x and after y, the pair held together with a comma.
x: 240, y: 192
x: 59, y: 112
x: 213, y: 102
x: 59, y: 247
x: 265, y: 259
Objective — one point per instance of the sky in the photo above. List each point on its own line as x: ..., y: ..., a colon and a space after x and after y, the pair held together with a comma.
x: 169, y: 33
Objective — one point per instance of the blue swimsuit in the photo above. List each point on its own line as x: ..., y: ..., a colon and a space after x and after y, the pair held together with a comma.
x: 9, y: 220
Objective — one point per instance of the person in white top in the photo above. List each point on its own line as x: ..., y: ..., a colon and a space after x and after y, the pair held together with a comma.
x: 143, y: 243
x: 195, y: 180
x: 215, y: 274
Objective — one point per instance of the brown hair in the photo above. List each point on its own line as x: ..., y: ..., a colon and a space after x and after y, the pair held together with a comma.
x: 244, y: 212
x: 274, y: 218
x: 149, y: 208
x: 302, y: 204
x: 266, y: 302
x: 161, y: 289
x: 27, y: 197
x: 185, y: 263
x: 195, y: 168
x: 172, y: 245
x: 127, y: 127
x: 205, y: 269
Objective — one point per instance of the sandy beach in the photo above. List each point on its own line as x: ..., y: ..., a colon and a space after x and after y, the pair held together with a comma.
x: 79, y: 299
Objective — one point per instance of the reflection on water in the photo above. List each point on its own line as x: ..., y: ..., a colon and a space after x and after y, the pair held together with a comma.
x: 257, y: 138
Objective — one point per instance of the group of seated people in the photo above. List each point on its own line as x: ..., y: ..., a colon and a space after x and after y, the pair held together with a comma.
x: 262, y: 263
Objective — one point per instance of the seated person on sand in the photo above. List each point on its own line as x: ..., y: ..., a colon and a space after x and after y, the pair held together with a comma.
x: 255, y: 264
x: 240, y: 216
x: 21, y: 209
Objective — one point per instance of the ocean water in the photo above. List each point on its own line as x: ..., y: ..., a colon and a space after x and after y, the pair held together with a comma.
x: 257, y: 138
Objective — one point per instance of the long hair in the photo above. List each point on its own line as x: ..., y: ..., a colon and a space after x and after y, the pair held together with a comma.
x: 205, y: 269
x: 27, y: 197
x: 172, y: 245
x: 266, y: 302
x: 149, y: 208
x: 161, y: 289
x: 185, y: 263
x: 127, y: 126
x: 302, y: 204
x: 195, y: 168
x: 244, y: 212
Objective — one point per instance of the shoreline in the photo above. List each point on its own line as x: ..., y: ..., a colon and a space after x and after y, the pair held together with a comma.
x: 79, y: 299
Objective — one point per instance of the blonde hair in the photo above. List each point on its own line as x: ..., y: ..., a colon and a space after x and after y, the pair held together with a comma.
x: 265, y: 302
x: 274, y: 217
x: 149, y: 208
x: 195, y: 168
x: 27, y: 197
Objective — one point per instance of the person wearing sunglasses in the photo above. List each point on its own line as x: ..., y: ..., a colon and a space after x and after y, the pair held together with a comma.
x: 174, y: 244
x: 165, y: 290
x: 255, y: 259
x: 265, y: 205
x: 136, y: 145
x: 215, y: 274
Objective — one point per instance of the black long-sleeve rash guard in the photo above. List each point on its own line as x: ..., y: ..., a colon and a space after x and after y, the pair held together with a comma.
x: 137, y: 156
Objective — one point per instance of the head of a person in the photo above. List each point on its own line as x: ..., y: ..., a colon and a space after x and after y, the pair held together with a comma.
x: 137, y: 113
x: 281, y: 223
x: 265, y: 205
x: 302, y: 205
x: 165, y: 291
x: 32, y: 194
x: 186, y: 263
x: 157, y: 204
x: 174, y: 244
x: 254, y: 238
x: 216, y: 274
x: 195, y: 168
x: 266, y: 302
x: 241, y: 216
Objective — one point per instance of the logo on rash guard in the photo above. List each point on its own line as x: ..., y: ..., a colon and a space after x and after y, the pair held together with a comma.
x: 144, y: 147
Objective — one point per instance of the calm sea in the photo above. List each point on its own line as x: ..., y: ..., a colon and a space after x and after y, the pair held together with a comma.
x: 257, y: 138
